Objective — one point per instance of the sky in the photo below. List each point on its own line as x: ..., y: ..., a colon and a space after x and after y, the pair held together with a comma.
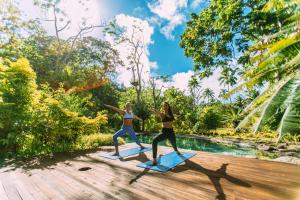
x: 162, y: 22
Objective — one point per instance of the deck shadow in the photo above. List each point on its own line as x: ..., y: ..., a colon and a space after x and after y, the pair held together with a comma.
x: 214, y: 176
x: 140, y: 175
x: 43, y: 162
x: 140, y: 157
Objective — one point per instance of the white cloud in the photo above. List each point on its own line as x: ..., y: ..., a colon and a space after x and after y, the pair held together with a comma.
x: 128, y: 23
x: 196, y: 3
x: 212, y: 82
x: 180, y: 80
x: 170, y: 11
x: 154, y: 20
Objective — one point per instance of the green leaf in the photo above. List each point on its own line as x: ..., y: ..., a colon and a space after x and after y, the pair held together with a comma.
x: 291, y: 117
x: 274, y: 103
x: 247, y: 119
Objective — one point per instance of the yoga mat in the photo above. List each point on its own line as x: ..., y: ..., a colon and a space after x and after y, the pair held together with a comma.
x: 168, y: 161
x: 125, y: 153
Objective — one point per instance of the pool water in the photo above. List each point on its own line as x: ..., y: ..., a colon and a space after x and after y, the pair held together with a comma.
x: 200, y: 145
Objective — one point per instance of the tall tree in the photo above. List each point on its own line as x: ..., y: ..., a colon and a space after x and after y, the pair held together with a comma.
x: 228, y: 78
x: 195, y: 90
x: 222, y: 94
x: 277, y: 62
x: 208, y: 95
x: 224, y: 30
x: 136, y: 50
x: 13, y: 30
x: 157, y: 84
x: 61, y: 23
x: 80, y: 62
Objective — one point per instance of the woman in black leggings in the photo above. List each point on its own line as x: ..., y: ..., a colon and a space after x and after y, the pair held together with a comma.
x: 167, y: 131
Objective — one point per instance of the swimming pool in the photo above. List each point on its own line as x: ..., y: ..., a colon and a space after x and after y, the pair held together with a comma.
x: 201, y: 145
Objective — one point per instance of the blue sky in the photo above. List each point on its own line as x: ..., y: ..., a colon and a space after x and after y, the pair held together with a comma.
x: 166, y: 52
x: 163, y: 20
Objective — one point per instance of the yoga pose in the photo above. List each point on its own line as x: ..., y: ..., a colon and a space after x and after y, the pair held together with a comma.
x: 127, y: 127
x: 167, y: 131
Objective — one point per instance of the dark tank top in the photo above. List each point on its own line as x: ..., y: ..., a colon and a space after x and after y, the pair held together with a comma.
x: 167, y: 119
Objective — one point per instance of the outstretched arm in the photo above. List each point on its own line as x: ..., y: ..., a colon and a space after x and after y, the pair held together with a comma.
x: 138, y: 118
x: 115, y: 109
x: 156, y: 112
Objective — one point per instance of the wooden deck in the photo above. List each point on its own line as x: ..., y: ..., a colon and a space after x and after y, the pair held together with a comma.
x: 205, y: 176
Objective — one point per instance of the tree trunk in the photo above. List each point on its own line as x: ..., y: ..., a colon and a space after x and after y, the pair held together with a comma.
x: 143, y: 125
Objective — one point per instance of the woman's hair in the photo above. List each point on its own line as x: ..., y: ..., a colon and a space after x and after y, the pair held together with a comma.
x: 128, y: 104
x: 169, y: 112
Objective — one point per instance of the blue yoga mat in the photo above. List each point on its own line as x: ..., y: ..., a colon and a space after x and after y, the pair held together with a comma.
x: 125, y: 153
x: 168, y: 161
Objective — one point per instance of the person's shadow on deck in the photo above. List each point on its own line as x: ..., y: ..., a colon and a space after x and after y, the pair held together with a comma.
x: 141, y: 158
x: 214, y: 176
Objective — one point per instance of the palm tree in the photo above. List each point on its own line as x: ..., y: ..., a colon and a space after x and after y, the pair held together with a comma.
x: 222, y: 94
x: 239, y: 102
x: 208, y: 95
x: 228, y: 78
x: 278, y: 107
x: 195, y: 88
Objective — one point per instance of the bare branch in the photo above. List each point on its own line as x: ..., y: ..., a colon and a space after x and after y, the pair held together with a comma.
x: 55, y: 24
x: 82, y: 32
x: 67, y: 24
x: 47, y: 20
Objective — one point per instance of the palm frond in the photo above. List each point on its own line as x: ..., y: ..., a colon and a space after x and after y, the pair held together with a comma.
x: 273, y: 104
x: 247, y: 119
x: 290, y: 120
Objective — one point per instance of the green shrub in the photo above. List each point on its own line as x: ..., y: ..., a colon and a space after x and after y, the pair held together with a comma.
x: 36, y: 121
x: 266, y: 155
x: 209, y: 118
x: 288, y: 137
x: 95, y: 140
x: 19, y: 95
x: 153, y: 124
x: 29, y: 145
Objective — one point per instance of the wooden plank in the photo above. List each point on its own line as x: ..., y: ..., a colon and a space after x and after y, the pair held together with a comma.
x: 41, y: 189
x: 28, y: 180
x: 173, y: 186
x: 21, y: 187
x: 205, y: 176
x: 2, y: 192
x: 10, y: 187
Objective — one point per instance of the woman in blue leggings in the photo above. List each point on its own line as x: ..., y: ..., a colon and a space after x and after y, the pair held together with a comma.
x: 127, y: 127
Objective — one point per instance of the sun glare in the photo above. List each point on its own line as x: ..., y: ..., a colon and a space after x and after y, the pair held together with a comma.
x: 92, y: 11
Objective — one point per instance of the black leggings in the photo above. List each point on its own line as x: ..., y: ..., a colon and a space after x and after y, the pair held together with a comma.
x: 167, y: 133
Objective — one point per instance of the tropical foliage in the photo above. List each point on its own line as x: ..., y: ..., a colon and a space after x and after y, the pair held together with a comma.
x: 216, y: 36
x: 265, y: 43
x: 53, y: 89
x: 276, y: 60
x: 40, y: 120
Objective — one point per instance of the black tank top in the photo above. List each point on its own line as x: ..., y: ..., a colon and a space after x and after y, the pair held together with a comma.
x: 167, y: 119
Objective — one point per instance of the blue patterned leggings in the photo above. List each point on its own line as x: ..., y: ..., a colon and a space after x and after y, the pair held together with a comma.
x: 125, y: 129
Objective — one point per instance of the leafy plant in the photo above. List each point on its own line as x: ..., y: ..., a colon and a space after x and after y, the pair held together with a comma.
x: 209, y: 118
x: 40, y: 121
x: 213, y: 37
x: 266, y: 155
